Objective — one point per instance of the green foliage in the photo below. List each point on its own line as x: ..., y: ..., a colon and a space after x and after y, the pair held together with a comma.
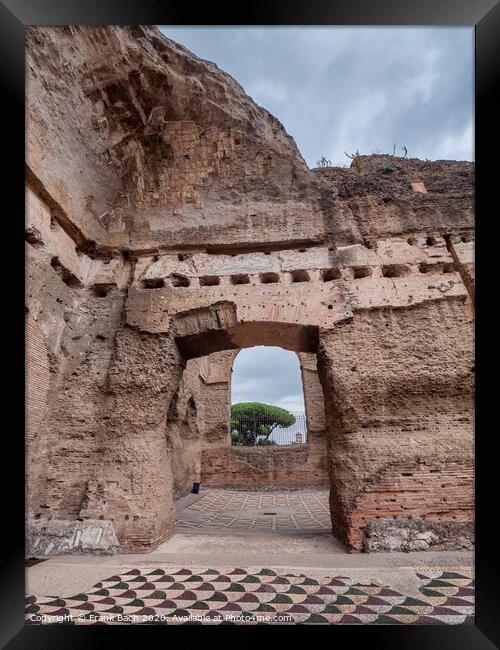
x: 388, y: 168
x: 253, y: 422
x: 278, y: 415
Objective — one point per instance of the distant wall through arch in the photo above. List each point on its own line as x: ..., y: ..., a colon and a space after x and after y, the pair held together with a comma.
x: 274, y: 467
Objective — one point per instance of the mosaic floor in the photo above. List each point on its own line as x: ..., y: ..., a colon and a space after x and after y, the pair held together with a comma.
x: 301, y: 510
x: 234, y: 596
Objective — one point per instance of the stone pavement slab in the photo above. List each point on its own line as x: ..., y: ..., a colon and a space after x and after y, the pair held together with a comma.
x: 299, y: 510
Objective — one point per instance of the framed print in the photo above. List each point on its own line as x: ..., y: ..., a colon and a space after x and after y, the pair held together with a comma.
x: 250, y: 331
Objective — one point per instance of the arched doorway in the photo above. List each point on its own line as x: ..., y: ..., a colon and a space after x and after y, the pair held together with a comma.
x: 281, y: 483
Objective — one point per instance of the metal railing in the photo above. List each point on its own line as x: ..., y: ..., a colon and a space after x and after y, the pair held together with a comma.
x: 264, y: 431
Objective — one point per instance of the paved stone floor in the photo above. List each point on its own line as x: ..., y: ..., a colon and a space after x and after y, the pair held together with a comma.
x: 306, y: 510
x: 235, y: 595
x: 253, y: 557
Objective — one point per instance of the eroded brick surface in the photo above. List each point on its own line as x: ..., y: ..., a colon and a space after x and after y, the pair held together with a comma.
x: 171, y: 222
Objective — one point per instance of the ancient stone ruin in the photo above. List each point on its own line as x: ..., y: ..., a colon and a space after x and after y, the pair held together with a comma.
x: 171, y: 222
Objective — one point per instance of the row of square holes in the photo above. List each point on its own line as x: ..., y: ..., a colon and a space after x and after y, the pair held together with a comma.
x: 327, y: 275
x: 178, y: 280
x: 390, y: 271
x: 431, y: 241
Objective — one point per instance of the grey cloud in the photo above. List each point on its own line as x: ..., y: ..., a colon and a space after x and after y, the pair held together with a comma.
x: 341, y: 89
x: 270, y: 375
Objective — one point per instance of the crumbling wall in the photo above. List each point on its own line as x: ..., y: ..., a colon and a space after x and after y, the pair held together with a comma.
x: 170, y: 222
x: 129, y: 131
x: 102, y: 453
x: 198, y: 417
x: 384, y: 196
x: 98, y: 395
x: 399, y: 393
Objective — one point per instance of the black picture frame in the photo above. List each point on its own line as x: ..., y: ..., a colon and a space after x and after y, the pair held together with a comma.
x: 485, y: 16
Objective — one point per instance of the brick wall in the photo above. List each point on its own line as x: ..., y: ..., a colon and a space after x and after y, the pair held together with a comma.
x: 294, y: 466
x: 37, y: 378
x: 429, y: 492
x: 399, y: 396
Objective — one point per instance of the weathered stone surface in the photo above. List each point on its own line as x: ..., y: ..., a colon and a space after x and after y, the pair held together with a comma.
x: 416, y: 535
x: 57, y: 536
x: 171, y: 222
x: 399, y: 404
x: 374, y: 203
x: 163, y: 135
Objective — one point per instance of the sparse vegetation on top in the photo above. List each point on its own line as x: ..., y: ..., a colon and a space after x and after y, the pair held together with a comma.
x: 388, y: 168
x: 355, y: 157
x: 403, y: 149
x: 323, y: 162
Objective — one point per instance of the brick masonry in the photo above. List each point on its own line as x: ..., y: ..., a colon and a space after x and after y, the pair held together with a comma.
x: 171, y: 222
x: 37, y: 378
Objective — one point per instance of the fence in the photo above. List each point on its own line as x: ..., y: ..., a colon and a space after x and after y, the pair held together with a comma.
x: 261, y: 431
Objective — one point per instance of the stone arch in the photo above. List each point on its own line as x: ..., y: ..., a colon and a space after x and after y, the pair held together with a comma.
x: 203, y: 331
x: 136, y: 493
x: 219, y: 327
x: 373, y: 393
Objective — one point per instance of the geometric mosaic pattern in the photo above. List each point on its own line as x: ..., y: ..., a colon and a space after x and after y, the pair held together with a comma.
x: 296, y: 510
x: 235, y: 596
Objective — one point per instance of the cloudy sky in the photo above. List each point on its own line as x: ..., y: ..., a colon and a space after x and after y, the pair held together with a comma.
x: 269, y: 375
x: 338, y: 89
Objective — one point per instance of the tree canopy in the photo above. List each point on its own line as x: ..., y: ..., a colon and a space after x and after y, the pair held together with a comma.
x: 253, y: 420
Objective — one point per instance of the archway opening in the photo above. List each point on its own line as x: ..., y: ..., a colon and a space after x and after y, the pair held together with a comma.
x: 264, y: 474
x: 267, y: 398
x: 279, y: 484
